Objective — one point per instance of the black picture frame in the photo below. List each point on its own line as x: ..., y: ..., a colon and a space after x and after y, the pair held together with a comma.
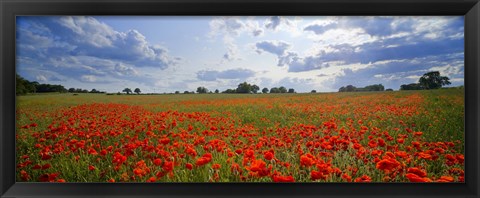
x: 11, y: 8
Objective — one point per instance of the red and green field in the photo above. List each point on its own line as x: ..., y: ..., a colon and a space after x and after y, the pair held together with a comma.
x: 401, y: 136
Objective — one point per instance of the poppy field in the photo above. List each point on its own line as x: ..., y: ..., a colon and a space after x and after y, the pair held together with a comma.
x: 399, y: 136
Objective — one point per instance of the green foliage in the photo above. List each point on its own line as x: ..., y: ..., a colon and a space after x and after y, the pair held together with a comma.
x: 265, y: 90
x: 378, y: 87
x: 127, y: 90
x: 411, y: 86
x: 137, y: 90
x: 229, y: 91
x: 24, y: 86
x: 274, y: 90
x: 202, y: 90
x: 433, y: 80
x: 430, y: 80
x: 314, y: 91
x: 351, y: 88
x: 291, y: 90
x: 255, y: 88
x: 244, y: 88
x: 348, y: 88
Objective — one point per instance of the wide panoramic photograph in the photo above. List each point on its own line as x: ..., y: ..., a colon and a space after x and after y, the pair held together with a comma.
x: 176, y: 99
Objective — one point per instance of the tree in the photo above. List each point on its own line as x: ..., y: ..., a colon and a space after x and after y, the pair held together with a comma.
x: 244, y: 88
x: 202, y: 90
x: 177, y: 92
x: 51, y: 88
x: 229, y: 91
x: 291, y: 90
x: 411, y: 86
x: 342, y: 89
x: 265, y: 90
x: 127, y: 90
x: 388, y: 89
x: 255, y: 88
x: 21, y: 85
x: 274, y: 90
x: 314, y: 91
x: 71, y: 90
x: 186, y: 92
x: 350, y: 88
x: 433, y: 80
x: 137, y: 90
x: 282, y: 89
x: 94, y: 91
x: 216, y: 91
x: 378, y: 87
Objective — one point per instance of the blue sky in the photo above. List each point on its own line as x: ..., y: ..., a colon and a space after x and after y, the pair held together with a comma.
x: 172, y: 53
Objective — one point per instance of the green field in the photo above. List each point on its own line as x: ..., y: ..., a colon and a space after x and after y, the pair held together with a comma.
x: 400, y: 136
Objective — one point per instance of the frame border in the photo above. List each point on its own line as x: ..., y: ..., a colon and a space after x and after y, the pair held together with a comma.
x: 9, y: 9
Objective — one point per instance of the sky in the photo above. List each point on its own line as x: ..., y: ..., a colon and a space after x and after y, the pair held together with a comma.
x: 164, y: 54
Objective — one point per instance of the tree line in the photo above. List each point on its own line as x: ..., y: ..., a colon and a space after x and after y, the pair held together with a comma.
x: 430, y: 80
x: 244, y: 88
x: 24, y: 86
x: 351, y: 88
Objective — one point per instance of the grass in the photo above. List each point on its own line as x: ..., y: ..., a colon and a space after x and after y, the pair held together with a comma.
x: 326, y: 126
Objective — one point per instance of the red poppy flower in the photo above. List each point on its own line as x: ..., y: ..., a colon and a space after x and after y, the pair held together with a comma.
x: 216, y: 166
x: 306, y: 161
x: 168, y: 166
x: 283, y: 178
x: 445, y: 179
x: 415, y: 178
x: 363, y: 178
x: 347, y: 177
x: 268, y: 155
x: 157, y: 162
x: 315, y: 175
x: 92, y: 151
x: 417, y: 171
x: 388, y: 164
x: 151, y: 179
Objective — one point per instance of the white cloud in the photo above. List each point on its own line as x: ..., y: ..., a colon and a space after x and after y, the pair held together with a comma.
x: 41, y: 78
x: 88, y: 78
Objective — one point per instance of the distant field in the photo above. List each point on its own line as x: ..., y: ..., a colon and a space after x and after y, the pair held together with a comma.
x: 401, y: 136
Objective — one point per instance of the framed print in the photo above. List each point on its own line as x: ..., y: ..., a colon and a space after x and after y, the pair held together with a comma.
x: 253, y: 98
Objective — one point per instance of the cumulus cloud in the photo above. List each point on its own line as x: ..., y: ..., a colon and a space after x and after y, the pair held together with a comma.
x: 231, y: 27
x: 278, y: 48
x: 41, y: 78
x: 84, y: 48
x: 366, y: 40
x: 273, y: 22
x: 232, y: 52
x: 275, y: 47
x: 394, y: 73
x: 283, y: 23
x: 212, y: 75
x: 88, y: 78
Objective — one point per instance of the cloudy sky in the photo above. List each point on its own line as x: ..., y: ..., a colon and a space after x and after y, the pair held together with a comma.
x: 166, y: 54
